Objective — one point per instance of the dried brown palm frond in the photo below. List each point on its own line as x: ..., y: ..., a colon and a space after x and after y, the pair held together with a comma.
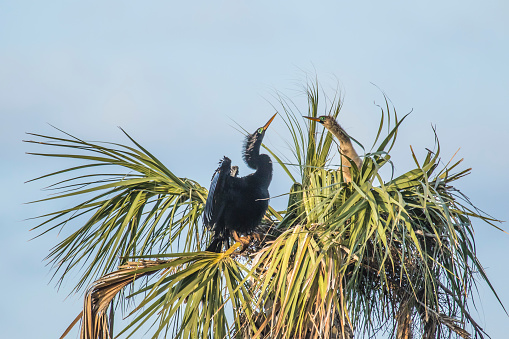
x: 96, y: 323
x: 297, y: 288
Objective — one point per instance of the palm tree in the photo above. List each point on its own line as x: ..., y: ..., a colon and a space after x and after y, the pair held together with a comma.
x: 371, y: 254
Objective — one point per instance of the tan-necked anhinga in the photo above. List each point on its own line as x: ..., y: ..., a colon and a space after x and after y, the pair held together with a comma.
x: 237, y: 204
x: 345, y: 144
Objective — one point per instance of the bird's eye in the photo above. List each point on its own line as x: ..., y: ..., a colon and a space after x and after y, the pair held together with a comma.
x: 322, y: 118
x: 260, y: 130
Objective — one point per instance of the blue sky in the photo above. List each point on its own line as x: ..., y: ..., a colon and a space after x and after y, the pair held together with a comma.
x: 173, y: 74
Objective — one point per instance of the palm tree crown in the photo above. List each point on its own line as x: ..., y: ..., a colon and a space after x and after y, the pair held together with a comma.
x: 346, y: 257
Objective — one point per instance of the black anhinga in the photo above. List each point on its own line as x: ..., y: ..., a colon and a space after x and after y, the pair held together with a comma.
x: 237, y: 204
x: 346, y: 149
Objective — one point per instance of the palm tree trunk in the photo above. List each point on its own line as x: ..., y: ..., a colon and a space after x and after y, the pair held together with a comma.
x: 404, y: 321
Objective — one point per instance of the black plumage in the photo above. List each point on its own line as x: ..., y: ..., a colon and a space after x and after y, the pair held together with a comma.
x: 238, y: 204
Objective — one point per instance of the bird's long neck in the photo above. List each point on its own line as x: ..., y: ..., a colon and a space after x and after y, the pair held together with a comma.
x: 264, y: 170
x: 259, y: 162
x: 345, y: 144
x: 252, y: 151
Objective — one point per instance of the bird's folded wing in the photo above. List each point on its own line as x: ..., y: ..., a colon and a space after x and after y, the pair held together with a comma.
x: 215, y: 203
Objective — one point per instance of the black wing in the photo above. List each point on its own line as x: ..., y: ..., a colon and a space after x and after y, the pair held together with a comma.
x: 216, y: 199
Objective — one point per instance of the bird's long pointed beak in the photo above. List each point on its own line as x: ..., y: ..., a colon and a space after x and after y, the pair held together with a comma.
x: 312, y: 118
x: 268, y: 123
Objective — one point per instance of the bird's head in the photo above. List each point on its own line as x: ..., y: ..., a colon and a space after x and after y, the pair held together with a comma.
x: 257, y: 136
x: 325, y: 120
x: 254, y: 141
x: 261, y: 130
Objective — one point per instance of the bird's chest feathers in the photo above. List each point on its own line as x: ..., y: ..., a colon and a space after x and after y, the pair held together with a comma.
x: 254, y: 196
x: 246, y: 210
x: 251, y: 200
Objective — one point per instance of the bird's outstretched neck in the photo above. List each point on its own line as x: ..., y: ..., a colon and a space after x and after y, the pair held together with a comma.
x: 259, y: 162
x: 345, y: 144
x: 252, y: 146
x: 346, y: 148
x: 252, y: 151
x: 264, y: 170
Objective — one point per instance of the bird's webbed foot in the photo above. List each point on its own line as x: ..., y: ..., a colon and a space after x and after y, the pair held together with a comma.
x: 257, y: 236
x: 245, y: 241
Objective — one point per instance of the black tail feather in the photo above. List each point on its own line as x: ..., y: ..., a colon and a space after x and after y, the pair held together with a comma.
x: 217, y: 244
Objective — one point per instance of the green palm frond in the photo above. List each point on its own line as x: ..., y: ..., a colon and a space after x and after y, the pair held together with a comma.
x: 135, y: 206
x: 296, y: 284
x: 405, y: 241
x: 189, y: 298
